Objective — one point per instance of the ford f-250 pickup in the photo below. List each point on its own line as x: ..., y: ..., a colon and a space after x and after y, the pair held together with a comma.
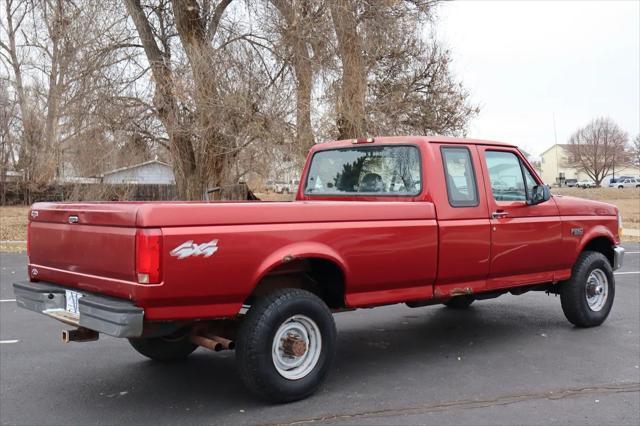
x: 415, y: 220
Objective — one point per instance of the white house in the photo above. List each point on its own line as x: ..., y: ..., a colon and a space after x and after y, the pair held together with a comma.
x: 149, y: 172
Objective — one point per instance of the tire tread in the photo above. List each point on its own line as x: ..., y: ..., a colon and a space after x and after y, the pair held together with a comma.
x: 572, y: 296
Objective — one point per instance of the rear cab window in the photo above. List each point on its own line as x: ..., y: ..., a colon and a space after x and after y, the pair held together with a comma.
x: 368, y: 170
x: 459, y: 176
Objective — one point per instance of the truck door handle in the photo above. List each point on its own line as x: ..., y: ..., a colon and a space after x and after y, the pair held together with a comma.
x: 499, y: 214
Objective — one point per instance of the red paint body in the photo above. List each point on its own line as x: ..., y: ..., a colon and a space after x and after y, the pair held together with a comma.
x: 389, y: 249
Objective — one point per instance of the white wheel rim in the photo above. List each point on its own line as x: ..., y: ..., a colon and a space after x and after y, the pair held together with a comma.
x: 296, y: 347
x: 597, y: 290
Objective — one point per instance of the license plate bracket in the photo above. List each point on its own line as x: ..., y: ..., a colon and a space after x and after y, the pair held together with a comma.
x: 72, y: 300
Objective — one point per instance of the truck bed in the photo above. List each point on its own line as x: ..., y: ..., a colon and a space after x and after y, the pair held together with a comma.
x: 97, y: 251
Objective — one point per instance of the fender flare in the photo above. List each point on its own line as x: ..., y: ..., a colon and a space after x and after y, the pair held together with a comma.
x: 295, y: 251
x: 598, y: 231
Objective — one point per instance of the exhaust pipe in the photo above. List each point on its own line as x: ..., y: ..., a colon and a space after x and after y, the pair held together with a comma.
x: 80, y: 334
x: 214, y: 343
x: 226, y: 343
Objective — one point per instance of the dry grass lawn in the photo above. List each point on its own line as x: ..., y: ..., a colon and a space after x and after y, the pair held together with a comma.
x: 13, y: 220
x: 13, y: 227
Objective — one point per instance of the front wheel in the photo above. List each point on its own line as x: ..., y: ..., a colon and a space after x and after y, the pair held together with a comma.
x: 285, y: 345
x: 587, y: 296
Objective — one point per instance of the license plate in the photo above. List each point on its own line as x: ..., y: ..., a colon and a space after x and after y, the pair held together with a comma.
x: 72, y: 301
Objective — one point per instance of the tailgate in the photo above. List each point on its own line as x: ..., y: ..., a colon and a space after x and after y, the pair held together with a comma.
x: 83, y: 239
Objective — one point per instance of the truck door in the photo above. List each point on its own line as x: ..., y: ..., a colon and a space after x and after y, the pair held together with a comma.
x: 464, y: 239
x: 525, y: 239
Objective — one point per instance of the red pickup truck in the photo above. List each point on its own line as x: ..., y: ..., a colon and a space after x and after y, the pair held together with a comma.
x: 415, y: 220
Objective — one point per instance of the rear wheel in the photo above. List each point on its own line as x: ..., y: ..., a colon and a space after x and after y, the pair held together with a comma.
x: 588, y: 295
x: 164, y: 348
x: 285, y: 345
x: 459, y: 302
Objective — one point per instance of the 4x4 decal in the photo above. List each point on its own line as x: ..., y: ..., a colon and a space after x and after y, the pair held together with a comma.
x: 189, y: 248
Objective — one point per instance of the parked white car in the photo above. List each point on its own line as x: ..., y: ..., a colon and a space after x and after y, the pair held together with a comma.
x: 628, y: 183
x: 289, y: 187
x: 587, y: 183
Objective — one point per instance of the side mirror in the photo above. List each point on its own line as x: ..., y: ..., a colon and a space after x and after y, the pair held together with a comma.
x: 539, y: 194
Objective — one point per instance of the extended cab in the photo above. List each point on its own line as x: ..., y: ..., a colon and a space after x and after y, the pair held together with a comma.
x: 415, y: 220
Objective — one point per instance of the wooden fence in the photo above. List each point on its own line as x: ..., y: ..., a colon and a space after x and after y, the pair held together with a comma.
x: 15, y: 193
x: 23, y: 193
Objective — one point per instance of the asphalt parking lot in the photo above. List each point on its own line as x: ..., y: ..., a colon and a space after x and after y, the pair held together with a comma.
x: 511, y: 360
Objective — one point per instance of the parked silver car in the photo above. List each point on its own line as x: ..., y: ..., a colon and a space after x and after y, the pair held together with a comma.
x: 628, y: 183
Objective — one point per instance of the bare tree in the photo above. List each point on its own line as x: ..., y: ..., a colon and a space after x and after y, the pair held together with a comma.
x: 8, y: 134
x: 217, y: 91
x: 350, y: 103
x: 391, y: 79
x: 303, y: 28
x: 68, y: 72
x: 30, y: 135
x: 597, y: 148
x: 413, y: 91
x: 200, y: 150
x: 635, y: 151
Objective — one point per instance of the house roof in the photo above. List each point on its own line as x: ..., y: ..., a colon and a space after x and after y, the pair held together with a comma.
x: 135, y: 166
x: 563, y: 145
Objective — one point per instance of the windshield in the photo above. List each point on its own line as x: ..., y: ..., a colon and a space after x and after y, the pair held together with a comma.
x: 377, y: 170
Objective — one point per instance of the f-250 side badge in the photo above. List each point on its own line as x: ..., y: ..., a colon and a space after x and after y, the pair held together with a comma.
x: 577, y: 232
x: 189, y: 248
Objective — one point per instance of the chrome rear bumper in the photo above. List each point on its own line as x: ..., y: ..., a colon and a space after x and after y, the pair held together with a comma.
x: 115, y: 317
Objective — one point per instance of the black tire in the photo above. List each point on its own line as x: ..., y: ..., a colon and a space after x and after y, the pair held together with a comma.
x: 164, y: 348
x: 573, y: 292
x: 255, y: 338
x: 459, y: 302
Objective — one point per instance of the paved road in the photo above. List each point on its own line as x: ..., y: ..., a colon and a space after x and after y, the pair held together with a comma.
x: 510, y: 360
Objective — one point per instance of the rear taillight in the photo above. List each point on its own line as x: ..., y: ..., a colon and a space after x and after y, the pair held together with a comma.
x: 149, y: 256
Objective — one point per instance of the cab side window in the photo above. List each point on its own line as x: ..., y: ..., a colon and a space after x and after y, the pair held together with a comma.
x: 506, y: 176
x: 459, y: 177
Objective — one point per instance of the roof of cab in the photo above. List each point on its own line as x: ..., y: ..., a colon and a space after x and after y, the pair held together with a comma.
x: 379, y: 140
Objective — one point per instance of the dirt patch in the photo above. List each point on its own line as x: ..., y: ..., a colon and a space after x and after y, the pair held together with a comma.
x: 272, y: 196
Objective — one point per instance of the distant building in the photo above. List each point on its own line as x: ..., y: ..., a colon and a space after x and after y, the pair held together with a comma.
x: 149, y: 172
x: 556, y: 168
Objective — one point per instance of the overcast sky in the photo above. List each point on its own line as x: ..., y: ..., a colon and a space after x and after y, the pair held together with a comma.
x: 525, y: 61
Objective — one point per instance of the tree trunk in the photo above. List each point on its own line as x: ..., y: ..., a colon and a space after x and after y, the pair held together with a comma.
x: 50, y: 151
x: 351, y: 120
x: 295, y: 18
x: 28, y: 142
x: 189, y: 182
x: 212, y: 148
